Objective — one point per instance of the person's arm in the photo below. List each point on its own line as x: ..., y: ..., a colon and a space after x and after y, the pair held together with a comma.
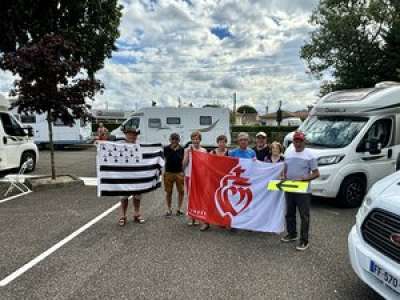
x: 284, y: 172
x: 314, y: 174
x: 185, y: 161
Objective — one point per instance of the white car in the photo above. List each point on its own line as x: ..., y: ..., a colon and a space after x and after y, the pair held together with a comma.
x: 374, y: 242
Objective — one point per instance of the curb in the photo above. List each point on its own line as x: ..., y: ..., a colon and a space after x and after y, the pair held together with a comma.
x: 35, y: 185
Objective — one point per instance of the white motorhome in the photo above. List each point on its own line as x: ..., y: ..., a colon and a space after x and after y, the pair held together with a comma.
x: 63, y: 135
x: 16, y: 143
x: 356, y: 136
x: 157, y: 123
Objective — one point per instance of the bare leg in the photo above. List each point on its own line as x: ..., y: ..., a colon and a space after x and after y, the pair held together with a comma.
x: 124, y: 206
x: 136, y: 205
x: 180, y: 200
x: 168, y: 200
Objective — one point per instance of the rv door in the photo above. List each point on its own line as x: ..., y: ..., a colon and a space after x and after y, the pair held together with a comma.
x: 377, y: 149
x: 14, y: 137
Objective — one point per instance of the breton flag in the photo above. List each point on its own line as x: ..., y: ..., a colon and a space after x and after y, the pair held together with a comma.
x: 124, y: 169
x: 233, y: 192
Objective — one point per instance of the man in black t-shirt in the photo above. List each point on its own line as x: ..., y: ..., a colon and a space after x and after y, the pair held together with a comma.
x: 262, y: 149
x: 173, y: 154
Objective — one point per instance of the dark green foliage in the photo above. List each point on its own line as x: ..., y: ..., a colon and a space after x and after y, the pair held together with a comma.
x: 91, y: 25
x: 48, y: 80
x: 355, y: 42
x: 246, y: 109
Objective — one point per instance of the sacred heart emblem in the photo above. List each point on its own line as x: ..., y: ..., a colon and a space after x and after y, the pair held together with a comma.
x: 234, y: 194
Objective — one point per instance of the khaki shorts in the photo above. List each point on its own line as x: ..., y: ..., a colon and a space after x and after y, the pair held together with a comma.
x: 170, y: 179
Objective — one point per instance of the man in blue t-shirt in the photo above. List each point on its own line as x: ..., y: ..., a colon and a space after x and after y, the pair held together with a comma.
x: 300, y: 164
x: 243, y: 151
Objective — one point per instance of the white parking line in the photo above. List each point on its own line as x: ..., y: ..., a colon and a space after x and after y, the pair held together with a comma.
x: 49, y: 251
x: 14, y: 197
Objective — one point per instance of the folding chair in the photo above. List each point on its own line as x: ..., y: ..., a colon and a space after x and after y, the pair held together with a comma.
x: 18, y: 181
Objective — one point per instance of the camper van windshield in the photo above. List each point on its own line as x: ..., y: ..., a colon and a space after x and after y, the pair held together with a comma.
x: 333, y: 132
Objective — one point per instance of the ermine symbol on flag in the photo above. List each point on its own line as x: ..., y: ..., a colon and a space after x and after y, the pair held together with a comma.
x: 234, y: 194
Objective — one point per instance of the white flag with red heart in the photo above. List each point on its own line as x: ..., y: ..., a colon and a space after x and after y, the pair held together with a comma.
x: 233, y: 192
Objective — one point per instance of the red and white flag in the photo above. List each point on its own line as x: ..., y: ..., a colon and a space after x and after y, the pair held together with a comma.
x: 232, y: 192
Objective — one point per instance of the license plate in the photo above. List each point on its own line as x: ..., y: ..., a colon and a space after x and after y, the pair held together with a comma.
x: 384, y: 276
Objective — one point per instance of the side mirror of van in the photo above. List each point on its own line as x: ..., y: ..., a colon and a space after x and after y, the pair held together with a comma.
x: 374, y: 147
x: 30, y: 131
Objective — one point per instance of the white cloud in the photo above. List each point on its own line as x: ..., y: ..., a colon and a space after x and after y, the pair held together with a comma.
x: 167, y: 51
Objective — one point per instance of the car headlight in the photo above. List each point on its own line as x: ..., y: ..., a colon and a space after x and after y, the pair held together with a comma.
x: 364, y: 209
x: 329, y: 160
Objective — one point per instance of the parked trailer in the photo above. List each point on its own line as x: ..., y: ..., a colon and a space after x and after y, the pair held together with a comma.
x: 157, y: 123
x: 63, y: 135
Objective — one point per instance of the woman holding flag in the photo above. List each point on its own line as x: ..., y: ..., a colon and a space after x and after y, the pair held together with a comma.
x: 187, y: 161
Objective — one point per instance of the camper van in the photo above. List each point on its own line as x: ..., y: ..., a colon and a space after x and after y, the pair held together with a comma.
x: 356, y: 136
x: 157, y: 123
x: 63, y: 135
x: 16, y: 143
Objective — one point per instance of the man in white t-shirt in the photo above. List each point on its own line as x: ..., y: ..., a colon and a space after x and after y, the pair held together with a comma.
x: 300, y: 164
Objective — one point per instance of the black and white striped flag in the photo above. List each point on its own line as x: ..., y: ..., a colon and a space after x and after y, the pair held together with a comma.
x: 124, y: 169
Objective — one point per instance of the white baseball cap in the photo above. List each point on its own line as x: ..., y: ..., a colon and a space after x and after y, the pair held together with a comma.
x: 261, y: 133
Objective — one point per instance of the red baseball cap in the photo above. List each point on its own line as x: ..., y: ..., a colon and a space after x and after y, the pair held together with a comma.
x: 298, y: 135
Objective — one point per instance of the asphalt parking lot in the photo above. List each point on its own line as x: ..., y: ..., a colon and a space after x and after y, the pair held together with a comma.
x: 163, y: 258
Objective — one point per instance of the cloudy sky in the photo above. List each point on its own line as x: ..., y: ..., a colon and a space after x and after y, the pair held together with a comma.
x: 202, y: 51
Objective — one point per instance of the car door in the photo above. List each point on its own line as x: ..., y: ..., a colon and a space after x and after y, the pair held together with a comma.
x: 383, y: 162
x: 14, y: 137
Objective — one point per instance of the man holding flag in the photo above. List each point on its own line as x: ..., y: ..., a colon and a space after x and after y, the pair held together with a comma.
x: 301, y: 165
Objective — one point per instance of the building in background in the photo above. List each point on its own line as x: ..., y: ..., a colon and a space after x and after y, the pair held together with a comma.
x: 288, y: 118
x: 109, y: 116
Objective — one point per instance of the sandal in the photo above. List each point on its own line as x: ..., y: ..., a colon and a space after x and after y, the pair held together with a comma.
x: 179, y: 213
x: 122, y: 221
x: 138, y: 219
x: 204, y: 227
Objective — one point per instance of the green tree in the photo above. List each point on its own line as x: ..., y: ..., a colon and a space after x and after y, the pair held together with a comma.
x: 348, y: 44
x: 51, y: 45
x: 91, y: 25
x: 246, y: 109
x: 391, y: 58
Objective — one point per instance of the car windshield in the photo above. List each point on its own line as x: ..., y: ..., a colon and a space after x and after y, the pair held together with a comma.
x: 332, y: 132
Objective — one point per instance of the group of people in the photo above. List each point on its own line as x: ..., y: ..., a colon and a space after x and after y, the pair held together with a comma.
x: 299, y: 164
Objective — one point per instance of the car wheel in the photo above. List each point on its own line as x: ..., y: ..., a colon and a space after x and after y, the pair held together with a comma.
x: 352, y: 191
x: 26, y: 156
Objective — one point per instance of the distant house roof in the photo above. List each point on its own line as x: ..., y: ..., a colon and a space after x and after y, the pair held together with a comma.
x: 285, y: 114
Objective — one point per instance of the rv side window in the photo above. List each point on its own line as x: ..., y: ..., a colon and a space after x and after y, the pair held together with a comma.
x: 133, y: 123
x: 29, y: 118
x: 380, y: 131
x: 173, y: 121
x: 154, y: 123
x: 11, y: 127
x: 205, y: 120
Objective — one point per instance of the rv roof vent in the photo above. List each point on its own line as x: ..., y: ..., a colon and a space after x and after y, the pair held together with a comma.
x: 386, y: 84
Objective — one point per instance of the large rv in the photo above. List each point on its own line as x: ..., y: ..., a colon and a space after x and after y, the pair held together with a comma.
x: 356, y: 136
x: 63, y: 135
x: 157, y: 123
x: 16, y: 143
